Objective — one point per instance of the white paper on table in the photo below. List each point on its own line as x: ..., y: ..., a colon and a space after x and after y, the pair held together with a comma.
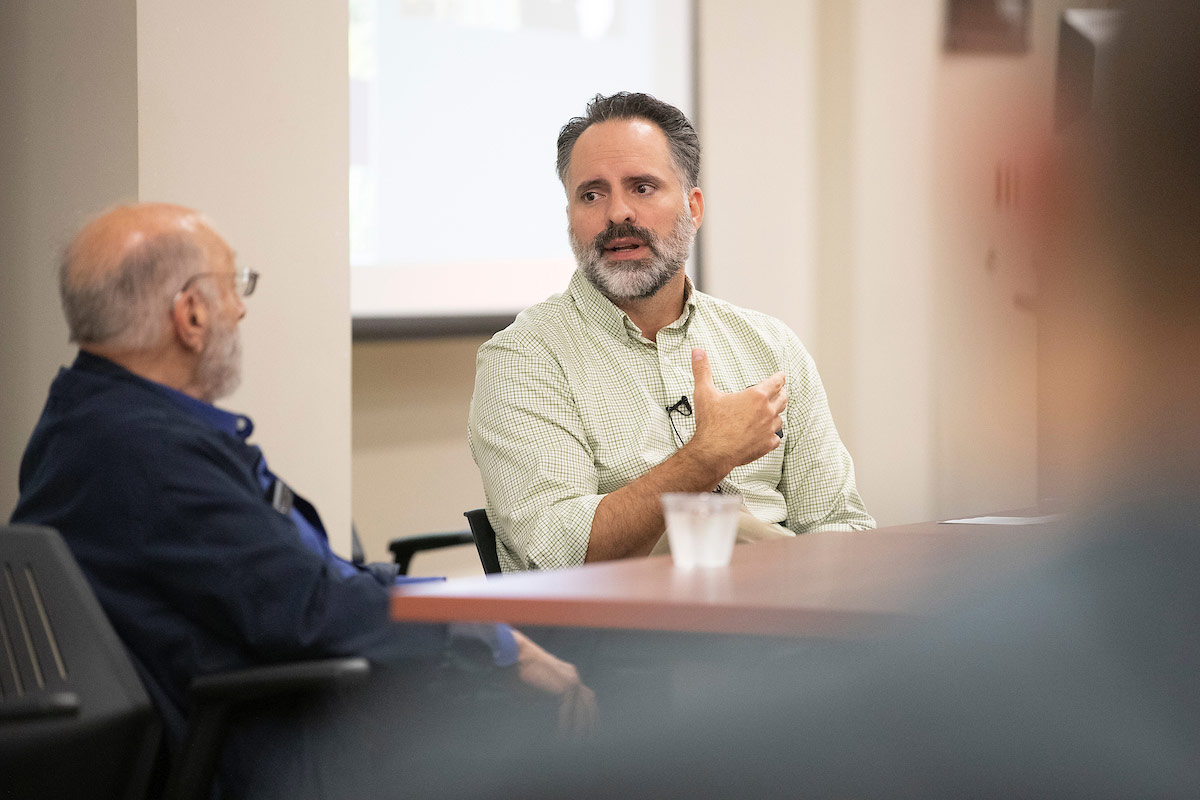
x: 1003, y: 520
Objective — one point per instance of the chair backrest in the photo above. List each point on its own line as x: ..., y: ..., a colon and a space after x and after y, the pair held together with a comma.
x: 75, y: 720
x: 485, y: 539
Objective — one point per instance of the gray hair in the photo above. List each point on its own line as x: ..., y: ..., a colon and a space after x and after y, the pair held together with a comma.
x: 681, y: 136
x: 128, y: 306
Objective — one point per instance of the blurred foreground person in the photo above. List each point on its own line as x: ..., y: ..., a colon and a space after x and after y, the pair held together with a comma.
x: 205, y: 561
x: 1079, y: 677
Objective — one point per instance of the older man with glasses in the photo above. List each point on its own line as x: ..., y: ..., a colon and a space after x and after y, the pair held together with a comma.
x: 203, y: 559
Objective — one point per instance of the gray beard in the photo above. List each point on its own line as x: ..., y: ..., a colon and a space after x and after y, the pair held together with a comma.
x: 635, y: 280
x: 219, y: 372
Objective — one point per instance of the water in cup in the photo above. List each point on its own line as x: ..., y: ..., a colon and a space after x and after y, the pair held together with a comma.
x: 701, y: 528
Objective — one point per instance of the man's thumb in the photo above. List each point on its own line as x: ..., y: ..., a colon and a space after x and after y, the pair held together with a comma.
x: 701, y: 372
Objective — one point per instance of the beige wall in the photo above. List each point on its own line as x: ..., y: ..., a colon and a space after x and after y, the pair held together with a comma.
x: 68, y: 146
x: 757, y: 101
x: 242, y: 111
x: 986, y: 110
x: 236, y: 108
x: 816, y: 121
x: 413, y: 471
x: 889, y: 323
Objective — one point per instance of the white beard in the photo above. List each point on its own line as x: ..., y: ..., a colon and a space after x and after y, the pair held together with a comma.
x: 219, y: 372
x: 634, y: 280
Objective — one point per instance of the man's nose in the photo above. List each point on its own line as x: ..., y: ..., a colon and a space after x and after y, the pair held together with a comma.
x: 621, y: 210
x: 241, y: 307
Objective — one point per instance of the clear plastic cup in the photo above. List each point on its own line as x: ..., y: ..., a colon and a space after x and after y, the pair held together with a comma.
x: 701, y: 528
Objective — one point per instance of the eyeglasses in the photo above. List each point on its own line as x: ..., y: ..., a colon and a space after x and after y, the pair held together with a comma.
x: 684, y: 409
x: 244, y: 280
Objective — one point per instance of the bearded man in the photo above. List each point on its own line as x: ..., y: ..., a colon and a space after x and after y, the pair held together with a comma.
x: 632, y: 383
x: 202, y: 558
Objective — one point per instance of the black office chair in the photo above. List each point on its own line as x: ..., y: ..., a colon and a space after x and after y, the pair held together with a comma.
x: 75, y: 720
x: 485, y: 539
x: 404, y: 548
x: 481, y: 533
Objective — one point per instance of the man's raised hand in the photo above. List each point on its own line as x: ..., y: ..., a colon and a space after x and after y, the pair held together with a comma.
x: 738, y: 427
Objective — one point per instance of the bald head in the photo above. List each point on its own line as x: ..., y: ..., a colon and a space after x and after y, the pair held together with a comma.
x: 120, y: 272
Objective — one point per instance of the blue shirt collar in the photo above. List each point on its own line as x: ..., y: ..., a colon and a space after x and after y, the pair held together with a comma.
x: 238, y: 425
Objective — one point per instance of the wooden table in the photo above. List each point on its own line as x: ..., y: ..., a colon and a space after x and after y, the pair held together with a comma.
x: 839, y: 585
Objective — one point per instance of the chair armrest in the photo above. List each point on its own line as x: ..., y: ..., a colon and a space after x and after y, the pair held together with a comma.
x: 256, y: 682
x: 404, y: 548
x: 39, y: 705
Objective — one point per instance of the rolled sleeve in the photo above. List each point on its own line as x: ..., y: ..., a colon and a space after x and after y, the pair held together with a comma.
x: 536, y: 463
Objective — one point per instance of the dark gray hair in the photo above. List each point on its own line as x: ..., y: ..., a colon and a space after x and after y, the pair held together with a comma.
x: 681, y: 136
x: 128, y: 305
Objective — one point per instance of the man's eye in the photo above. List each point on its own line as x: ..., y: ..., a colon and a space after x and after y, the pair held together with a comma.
x: 644, y: 188
x: 588, y: 197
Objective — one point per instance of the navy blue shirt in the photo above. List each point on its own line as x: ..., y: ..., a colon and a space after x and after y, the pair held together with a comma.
x: 281, y: 496
x: 164, y: 507
x: 312, y: 532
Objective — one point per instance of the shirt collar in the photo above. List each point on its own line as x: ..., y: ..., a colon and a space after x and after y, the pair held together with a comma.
x: 238, y: 425
x: 598, y: 309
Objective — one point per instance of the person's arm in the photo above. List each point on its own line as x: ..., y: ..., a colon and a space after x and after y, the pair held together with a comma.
x: 817, y: 482
x: 241, y: 570
x: 534, y: 455
x: 542, y: 672
x: 731, y: 429
x: 239, y: 563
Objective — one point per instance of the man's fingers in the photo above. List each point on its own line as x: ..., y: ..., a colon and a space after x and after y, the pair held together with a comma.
x: 541, y: 671
x: 569, y: 713
x: 566, y: 712
x: 778, y: 404
x: 587, y: 712
x: 591, y: 709
x: 577, y: 713
x: 772, y: 385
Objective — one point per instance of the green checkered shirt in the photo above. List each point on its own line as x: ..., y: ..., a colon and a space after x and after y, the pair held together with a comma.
x: 570, y: 404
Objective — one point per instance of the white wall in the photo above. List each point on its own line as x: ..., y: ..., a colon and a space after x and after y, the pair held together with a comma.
x: 238, y: 109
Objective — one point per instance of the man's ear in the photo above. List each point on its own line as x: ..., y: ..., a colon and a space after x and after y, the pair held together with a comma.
x: 696, y: 206
x: 189, y: 316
